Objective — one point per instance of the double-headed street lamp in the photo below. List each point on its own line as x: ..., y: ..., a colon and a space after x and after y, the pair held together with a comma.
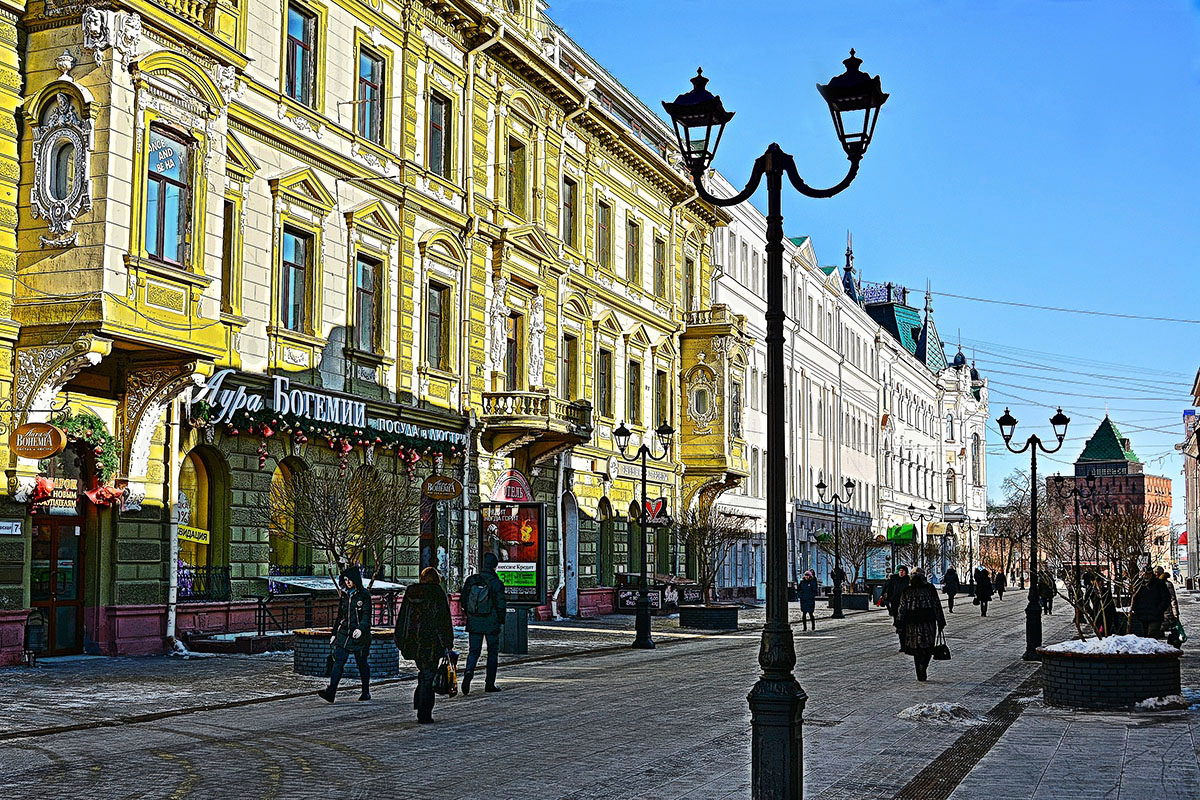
x: 1033, y: 614
x: 924, y: 518
x: 972, y: 527
x: 854, y: 99
x: 839, y: 574
x: 641, y: 625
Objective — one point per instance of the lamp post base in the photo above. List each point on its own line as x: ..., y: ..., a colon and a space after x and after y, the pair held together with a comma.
x: 776, y: 722
x: 641, y: 625
x: 837, y: 607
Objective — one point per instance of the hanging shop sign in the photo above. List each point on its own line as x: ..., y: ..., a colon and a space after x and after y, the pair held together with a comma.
x: 513, y: 487
x: 441, y: 487
x: 515, y: 532
x: 656, y: 512
x: 228, y: 393
x: 37, y: 440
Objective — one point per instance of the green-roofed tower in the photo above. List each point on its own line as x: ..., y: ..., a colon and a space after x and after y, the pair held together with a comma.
x: 1108, y: 449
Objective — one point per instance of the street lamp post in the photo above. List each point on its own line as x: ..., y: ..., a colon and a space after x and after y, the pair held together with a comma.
x: 924, y: 519
x: 854, y: 99
x: 1033, y: 614
x: 839, y: 574
x: 641, y: 625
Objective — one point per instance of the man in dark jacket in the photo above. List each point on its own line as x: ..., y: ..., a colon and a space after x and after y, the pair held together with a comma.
x: 424, y: 633
x: 351, y: 633
x: 1151, y: 599
x: 483, y: 604
x: 892, y: 590
x: 983, y: 590
x: 951, y: 587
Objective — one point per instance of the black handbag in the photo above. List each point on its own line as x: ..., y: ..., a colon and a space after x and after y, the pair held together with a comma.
x: 941, y: 650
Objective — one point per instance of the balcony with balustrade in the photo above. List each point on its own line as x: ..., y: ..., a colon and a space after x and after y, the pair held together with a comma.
x: 536, y: 422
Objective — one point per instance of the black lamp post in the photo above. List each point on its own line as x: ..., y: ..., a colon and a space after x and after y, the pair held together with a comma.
x: 854, y: 99
x: 641, y: 625
x: 839, y: 574
x: 1033, y: 615
x: 924, y: 518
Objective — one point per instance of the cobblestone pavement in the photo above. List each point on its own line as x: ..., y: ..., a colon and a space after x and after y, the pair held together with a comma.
x: 619, y: 723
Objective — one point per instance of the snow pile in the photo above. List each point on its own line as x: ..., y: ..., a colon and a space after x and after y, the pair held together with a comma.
x: 940, y: 712
x: 1115, y: 645
x: 180, y: 649
x: 1171, y: 701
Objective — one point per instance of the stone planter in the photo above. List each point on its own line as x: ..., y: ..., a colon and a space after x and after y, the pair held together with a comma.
x: 1107, y: 681
x: 853, y: 601
x: 709, y: 618
x: 312, y: 647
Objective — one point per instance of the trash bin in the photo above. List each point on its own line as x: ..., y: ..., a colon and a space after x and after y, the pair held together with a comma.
x: 35, y: 636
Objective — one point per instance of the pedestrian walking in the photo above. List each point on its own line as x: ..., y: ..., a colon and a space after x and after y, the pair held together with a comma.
x: 1171, y: 618
x: 921, y: 618
x: 808, y: 599
x: 892, y: 590
x: 983, y: 590
x: 484, y: 606
x: 1150, y: 603
x: 1046, y: 589
x: 1000, y: 583
x: 351, y: 633
x: 424, y: 633
x: 951, y: 587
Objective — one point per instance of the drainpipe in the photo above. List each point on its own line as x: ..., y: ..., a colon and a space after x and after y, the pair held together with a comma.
x: 173, y: 533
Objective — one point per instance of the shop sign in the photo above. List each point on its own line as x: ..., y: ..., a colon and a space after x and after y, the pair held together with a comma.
x: 656, y: 512
x: 37, y: 440
x: 63, y: 499
x: 513, y: 487
x: 189, y: 534
x: 441, y: 487
x: 634, y: 471
x: 515, y: 532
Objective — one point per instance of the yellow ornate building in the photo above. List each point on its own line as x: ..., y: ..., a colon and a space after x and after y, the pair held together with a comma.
x: 247, y: 238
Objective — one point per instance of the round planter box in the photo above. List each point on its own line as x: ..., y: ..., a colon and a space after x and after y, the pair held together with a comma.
x: 709, y: 618
x: 1107, y: 682
x: 313, y: 647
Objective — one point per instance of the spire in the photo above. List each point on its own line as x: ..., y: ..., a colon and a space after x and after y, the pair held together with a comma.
x: 928, y: 298
x: 930, y: 350
x: 850, y: 284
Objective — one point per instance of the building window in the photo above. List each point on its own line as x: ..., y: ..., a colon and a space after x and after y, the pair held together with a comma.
x: 660, y: 268
x: 297, y: 249
x: 229, y: 216
x: 735, y: 408
x: 689, y: 284
x: 570, y: 207
x: 604, y: 234
x: 301, y: 54
x: 195, y: 533
x: 604, y: 364
x: 662, y: 398
x: 633, y: 392
x: 437, y: 326
x: 439, y: 135
x: 512, y: 353
x: 517, y: 177
x: 633, y: 251
x: 365, y: 303
x: 370, y: 96
x: 167, y: 196
x: 951, y: 487
x: 976, y: 460
x: 568, y: 385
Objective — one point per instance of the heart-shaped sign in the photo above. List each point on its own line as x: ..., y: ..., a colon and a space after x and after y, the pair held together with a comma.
x: 654, y: 508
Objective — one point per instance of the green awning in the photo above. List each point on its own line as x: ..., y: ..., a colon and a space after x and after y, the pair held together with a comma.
x: 902, y: 533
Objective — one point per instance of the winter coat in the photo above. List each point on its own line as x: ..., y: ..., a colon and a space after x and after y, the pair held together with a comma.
x: 1172, y: 612
x: 1001, y: 582
x: 919, y: 616
x: 1151, y: 601
x: 354, y: 613
x: 808, y: 595
x: 423, y: 629
x: 484, y: 623
x: 1046, y: 586
x: 892, y: 590
x: 950, y: 583
x: 983, y: 586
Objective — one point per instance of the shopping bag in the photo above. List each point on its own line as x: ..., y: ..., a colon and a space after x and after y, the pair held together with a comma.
x: 445, y: 681
x: 941, y: 650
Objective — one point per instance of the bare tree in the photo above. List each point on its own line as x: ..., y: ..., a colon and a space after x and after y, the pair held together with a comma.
x: 352, y: 517
x: 857, y: 543
x: 710, y: 535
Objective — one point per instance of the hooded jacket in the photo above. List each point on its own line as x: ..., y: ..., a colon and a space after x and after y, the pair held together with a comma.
x: 354, y: 613
x: 424, y: 630
x: 485, y: 623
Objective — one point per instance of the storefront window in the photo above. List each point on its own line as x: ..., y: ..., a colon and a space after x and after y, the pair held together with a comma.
x: 195, y: 535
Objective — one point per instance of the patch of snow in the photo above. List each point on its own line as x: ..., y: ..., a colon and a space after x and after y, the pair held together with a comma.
x: 1027, y: 700
x: 1171, y: 701
x: 1115, y: 645
x: 940, y: 712
x: 181, y: 650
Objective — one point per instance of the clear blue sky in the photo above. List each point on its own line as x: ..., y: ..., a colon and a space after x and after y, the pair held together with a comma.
x: 1038, y: 151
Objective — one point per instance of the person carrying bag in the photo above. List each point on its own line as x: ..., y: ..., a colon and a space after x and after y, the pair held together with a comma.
x: 425, y: 634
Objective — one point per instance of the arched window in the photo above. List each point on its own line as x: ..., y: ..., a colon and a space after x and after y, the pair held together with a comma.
x: 195, y: 512
x: 949, y: 427
x: 976, y: 460
x: 951, y: 487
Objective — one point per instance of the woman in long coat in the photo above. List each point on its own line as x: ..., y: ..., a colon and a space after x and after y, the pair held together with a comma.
x: 808, y: 599
x: 951, y: 587
x: 983, y: 590
x: 424, y: 633
x: 921, y: 618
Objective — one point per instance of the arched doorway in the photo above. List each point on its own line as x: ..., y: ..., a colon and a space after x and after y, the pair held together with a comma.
x: 57, y: 567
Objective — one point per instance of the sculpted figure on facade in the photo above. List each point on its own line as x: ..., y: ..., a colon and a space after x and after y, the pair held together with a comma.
x: 128, y: 39
x: 96, y: 32
x: 500, y: 312
x: 537, y: 342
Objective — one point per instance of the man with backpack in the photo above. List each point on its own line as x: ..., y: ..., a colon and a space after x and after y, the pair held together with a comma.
x: 483, y: 604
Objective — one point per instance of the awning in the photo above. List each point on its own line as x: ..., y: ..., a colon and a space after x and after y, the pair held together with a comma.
x: 317, y: 583
x: 1183, y: 538
x: 937, y: 528
x: 902, y: 533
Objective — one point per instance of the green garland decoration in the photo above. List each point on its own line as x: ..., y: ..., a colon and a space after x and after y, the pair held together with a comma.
x: 89, y: 429
x: 267, y: 423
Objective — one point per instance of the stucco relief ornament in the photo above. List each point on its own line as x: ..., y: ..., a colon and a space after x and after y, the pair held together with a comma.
x: 226, y: 79
x: 128, y: 39
x: 96, y: 32
x: 537, y: 344
x: 500, y: 312
x: 61, y: 189
x: 65, y: 63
